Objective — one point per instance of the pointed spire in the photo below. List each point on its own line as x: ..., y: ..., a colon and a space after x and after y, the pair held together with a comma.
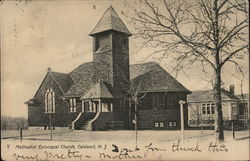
x: 110, y: 21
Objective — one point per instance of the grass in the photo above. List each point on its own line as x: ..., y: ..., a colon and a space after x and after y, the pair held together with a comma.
x: 128, y: 135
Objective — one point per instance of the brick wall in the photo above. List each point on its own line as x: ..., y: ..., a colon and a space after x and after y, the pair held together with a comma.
x: 36, y: 113
x: 100, y: 122
x: 120, y: 62
x: 147, y: 118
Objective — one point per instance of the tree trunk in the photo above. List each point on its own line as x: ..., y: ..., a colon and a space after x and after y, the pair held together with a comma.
x: 198, y: 121
x: 217, y: 82
x: 136, y: 124
x: 218, y: 113
x: 129, y: 114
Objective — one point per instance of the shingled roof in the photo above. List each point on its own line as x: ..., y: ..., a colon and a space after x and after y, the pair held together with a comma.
x: 99, y: 90
x: 110, y: 21
x: 81, y: 71
x: 139, y: 69
x: 208, y: 95
x: 151, y: 77
x: 63, y: 80
x: 83, y: 76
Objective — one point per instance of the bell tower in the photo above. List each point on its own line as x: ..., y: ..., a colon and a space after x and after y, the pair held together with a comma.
x: 111, y: 54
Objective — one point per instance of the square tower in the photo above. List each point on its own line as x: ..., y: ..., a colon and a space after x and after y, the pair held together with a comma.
x: 111, y: 55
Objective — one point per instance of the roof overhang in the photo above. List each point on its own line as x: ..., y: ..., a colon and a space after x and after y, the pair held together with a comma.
x: 32, y: 102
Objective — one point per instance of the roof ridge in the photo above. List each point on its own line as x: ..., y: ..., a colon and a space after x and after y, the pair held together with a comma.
x: 99, y: 21
x: 145, y: 63
x: 120, y: 19
x: 58, y: 72
x: 80, y: 65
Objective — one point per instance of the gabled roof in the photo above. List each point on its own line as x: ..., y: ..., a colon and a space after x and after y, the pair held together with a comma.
x: 99, y: 90
x: 63, y: 80
x: 110, y: 21
x: 151, y: 77
x: 208, y: 95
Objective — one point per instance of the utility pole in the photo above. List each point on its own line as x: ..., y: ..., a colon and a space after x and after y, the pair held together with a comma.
x: 181, y: 102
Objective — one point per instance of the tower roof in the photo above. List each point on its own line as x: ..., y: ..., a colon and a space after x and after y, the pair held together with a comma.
x: 110, y: 21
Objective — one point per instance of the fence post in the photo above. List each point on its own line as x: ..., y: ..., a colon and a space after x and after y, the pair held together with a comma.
x: 21, y: 134
x: 50, y: 124
x: 181, y: 102
x: 233, y: 130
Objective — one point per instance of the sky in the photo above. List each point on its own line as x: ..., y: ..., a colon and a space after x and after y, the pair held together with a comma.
x: 36, y: 35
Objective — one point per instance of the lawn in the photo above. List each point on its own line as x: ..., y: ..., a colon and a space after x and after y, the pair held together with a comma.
x: 128, y: 135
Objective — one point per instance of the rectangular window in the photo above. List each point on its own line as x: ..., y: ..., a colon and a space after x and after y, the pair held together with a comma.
x: 234, y: 108
x: 208, y: 109
x: 156, y: 124
x: 242, y: 108
x: 212, y: 108
x: 172, y: 123
x: 110, y: 107
x: 161, y: 124
x: 204, y: 109
x: 72, y: 105
x: 106, y: 107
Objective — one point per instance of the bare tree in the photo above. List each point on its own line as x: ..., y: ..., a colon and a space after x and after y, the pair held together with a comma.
x: 197, y: 113
x: 211, y: 32
x: 134, y: 96
x: 4, y: 123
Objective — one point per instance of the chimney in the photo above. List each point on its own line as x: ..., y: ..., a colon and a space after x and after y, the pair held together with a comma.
x: 231, y: 89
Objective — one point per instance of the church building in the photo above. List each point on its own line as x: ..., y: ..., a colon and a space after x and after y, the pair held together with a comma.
x: 102, y: 94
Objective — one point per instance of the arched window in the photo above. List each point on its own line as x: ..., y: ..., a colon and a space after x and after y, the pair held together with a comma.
x: 49, y: 101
